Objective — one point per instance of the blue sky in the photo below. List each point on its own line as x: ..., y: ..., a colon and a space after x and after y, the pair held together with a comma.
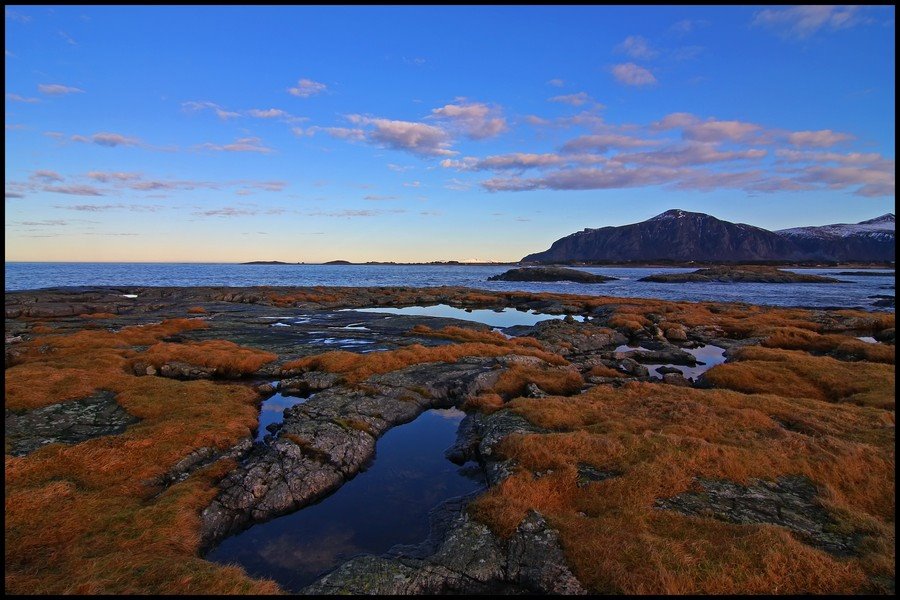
x: 432, y: 133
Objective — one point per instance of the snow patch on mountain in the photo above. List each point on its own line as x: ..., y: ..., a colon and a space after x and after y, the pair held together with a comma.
x: 878, y: 228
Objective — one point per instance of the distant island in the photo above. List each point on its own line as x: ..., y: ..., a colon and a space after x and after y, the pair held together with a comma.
x: 550, y: 274
x: 739, y: 274
x: 268, y: 262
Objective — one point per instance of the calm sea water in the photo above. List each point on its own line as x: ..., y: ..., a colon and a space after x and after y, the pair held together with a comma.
x: 856, y: 291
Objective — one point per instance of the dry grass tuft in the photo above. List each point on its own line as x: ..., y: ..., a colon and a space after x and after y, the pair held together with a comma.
x: 227, y: 358
x: 196, y: 310
x: 561, y: 382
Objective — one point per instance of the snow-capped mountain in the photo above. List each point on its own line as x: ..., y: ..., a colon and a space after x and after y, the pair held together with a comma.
x: 866, y: 240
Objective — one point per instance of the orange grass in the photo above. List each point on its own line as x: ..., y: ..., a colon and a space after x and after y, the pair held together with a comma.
x: 196, y: 310
x: 840, y: 346
x: 799, y: 374
x: 356, y: 368
x: 461, y: 334
x: 604, y: 371
x: 227, y: 358
x: 660, y: 439
x: 99, y: 315
x: 86, y: 518
x: 512, y: 381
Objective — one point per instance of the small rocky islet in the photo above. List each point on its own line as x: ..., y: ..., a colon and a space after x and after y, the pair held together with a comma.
x: 550, y: 274
x: 740, y: 274
x: 565, y: 418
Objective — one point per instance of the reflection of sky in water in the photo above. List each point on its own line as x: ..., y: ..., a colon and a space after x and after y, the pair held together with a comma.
x: 506, y: 318
x: 709, y: 354
x: 388, y: 504
x: 868, y: 340
x: 272, y: 411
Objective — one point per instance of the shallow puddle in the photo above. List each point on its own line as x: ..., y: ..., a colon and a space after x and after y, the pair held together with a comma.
x: 507, y: 317
x: 709, y: 355
x: 386, y: 505
x: 272, y: 411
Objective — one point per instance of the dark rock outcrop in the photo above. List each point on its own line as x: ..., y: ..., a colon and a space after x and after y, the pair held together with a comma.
x: 789, y: 502
x: 740, y: 274
x: 549, y: 274
x: 66, y: 423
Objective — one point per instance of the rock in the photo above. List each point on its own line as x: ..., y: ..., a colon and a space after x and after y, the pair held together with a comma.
x: 549, y: 274
x: 308, y: 383
x: 632, y: 367
x: 676, y: 379
x: 68, y: 422
x: 664, y: 370
x: 740, y: 274
x: 790, y: 502
x: 533, y: 391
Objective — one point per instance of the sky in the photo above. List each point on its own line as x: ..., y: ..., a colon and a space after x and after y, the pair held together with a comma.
x: 308, y: 134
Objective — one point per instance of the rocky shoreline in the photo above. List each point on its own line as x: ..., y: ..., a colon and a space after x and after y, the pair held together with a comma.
x: 327, y: 440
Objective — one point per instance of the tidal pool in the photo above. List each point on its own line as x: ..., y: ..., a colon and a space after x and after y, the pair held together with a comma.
x: 709, y: 355
x: 385, y: 505
x: 507, y: 317
x: 272, y: 411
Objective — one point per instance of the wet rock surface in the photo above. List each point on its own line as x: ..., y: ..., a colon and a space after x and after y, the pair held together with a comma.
x: 65, y: 423
x: 329, y: 438
x: 789, y: 502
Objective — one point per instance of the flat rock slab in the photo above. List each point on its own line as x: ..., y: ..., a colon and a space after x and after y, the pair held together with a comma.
x: 742, y: 274
x: 789, y: 502
x: 66, y: 423
x: 550, y: 274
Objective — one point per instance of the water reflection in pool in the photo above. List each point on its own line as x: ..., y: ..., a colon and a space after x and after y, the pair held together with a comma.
x: 388, y: 504
x: 507, y: 317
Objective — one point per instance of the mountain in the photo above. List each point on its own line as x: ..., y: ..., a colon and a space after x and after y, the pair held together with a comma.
x: 867, y: 240
x: 679, y: 235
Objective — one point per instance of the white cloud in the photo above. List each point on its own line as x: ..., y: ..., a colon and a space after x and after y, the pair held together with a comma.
x: 474, y: 119
x: 637, y: 47
x: 800, y: 22
x: 632, y: 74
x: 57, y: 89
x: 418, y: 138
x: 573, y: 99
x: 306, y: 88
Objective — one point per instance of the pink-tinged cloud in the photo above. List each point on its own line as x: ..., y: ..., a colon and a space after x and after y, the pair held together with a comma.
x: 57, y: 89
x: 418, y: 138
x: 46, y: 176
x: 872, y: 159
x: 556, y: 82
x: 637, y: 47
x: 514, y: 161
x: 247, y: 144
x: 307, y: 88
x: 379, y: 197
x: 10, y: 194
x: 874, y: 181
x: 710, y: 130
x: 107, y: 177
x: 584, y: 179
x: 632, y: 74
x: 341, y: 133
x: 687, y: 154
x: 572, y: 99
x: 18, y: 98
x: 109, y: 140
x: 605, y: 142
x: 74, y: 190
x: 800, y: 22
x: 824, y: 138
x: 106, y: 207
x: 475, y: 120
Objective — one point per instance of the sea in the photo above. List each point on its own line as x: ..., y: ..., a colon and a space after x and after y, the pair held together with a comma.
x: 853, y: 291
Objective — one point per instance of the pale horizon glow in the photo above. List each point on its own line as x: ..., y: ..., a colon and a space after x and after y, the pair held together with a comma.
x: 309, y: 134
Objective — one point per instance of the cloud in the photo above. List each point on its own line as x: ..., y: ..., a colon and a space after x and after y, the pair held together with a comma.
x: 270, y: 113
x: 412, y: 184
x: 514, y: 161
x: 246, y: 144
x: 306, y: 88
x: 416, y: 61
x: 74, y: 190
x: 68, y: 38
x: 685, y: 26
x: 823, y: 138
x: 690, y: 153
x: 57, y: 89
x: 800, y: 22
x: 399, y: 168
x: 13, y: 15
x: 46, y: 176
x: 418, y: 138
x: 106, y: 177
x: 18, y: 98
x: 632, y: 74
x: 476, y: 120
x: 584, y: 179
x: 342, y: 133
x: 106, y: 207
x: 377, y: 197
x: 556, y: 82
x: 10, y: 194
x: 349, y: 214
x: 223, y: 114
x: 709, y: 130
x: 233, y: 211
x: 573, y: 99
x: 637, y: 47
x: 605, y: 142
x: 109, y: 140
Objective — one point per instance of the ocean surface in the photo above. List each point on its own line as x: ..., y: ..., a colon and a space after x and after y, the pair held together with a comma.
x: 854, y: 291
